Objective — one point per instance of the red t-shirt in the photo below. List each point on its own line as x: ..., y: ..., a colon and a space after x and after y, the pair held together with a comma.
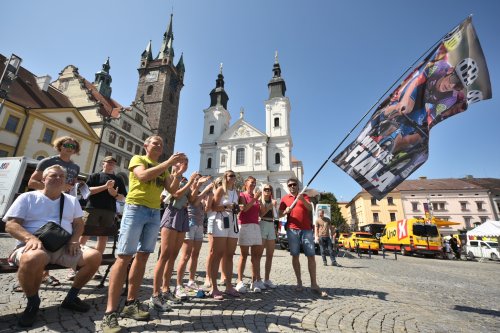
x: 252, y: 214
x: 300, y: 217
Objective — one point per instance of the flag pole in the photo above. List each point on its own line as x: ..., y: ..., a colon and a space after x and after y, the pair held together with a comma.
x: 429, y: 54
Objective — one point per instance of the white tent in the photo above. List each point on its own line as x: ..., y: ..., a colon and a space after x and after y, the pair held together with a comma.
x: 487, y: 229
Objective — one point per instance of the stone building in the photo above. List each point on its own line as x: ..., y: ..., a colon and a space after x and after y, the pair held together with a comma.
x: 159, y: 88
x: 121, y: 129
x: 34, y: 114
x: 242, y: 147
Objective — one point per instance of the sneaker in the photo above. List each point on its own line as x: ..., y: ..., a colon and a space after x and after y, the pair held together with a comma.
x: 71, y: 275
x: 325, y: 264
x: 336, y: 264
x: 110, y: 323
x: 240, y: 287
x: 134, y: 311
x: 269, y: 284
x: 75, y: 305
x: 180, y: 293
x: 170, y: 298
x: 191, y: 285
x: 29, y: 316
x: 254, y: 287
x: 260, y: 284
x: 159, y: 303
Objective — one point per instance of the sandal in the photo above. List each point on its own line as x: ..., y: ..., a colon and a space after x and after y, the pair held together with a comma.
x: 51, y: 281
x: 17, y: 288
x: 217, y: 295
x: 319, y: 292
x: 232, y: 292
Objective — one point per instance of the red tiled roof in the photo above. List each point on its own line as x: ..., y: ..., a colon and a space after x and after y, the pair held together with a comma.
x: 24, y: 91
x: 492, y: 184
x: 442, y: 184
x: 109, y: 107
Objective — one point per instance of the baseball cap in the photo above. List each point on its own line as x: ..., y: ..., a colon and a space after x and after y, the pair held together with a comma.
x: 109, y: 158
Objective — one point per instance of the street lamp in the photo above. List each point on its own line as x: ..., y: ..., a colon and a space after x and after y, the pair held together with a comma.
x: 8, y: 76
x: 106, y: 119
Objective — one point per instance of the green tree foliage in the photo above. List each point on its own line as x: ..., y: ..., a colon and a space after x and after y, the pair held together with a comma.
x: 336, y: 217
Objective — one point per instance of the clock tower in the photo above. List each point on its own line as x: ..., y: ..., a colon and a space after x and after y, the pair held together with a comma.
x: 159, y: 88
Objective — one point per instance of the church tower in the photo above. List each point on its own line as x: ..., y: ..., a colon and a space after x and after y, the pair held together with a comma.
x: 278, y: 122
x: 159, y: 88
x: 216, y: 122
x: 103, y: 80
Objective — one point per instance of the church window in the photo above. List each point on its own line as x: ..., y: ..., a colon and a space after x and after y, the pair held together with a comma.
x: 137, y: 150
x: 277, y: 158
x: 277, y: 122
x: 209, y: 163
x: 211, y: 131
x: 240, y: 156
x: 257, y: 157
x: 112, y: 137
x: 150, y: 90
x: 12, y: 123
x: 129, y: 146
x: 121, y: 142
x: 278, y: 193
x: 223, y: 159
x: 118, y: 160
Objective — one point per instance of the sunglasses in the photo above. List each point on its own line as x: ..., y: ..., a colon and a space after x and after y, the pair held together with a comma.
x: 292, y: 184
x: 267, y: 190
x: 231, y: 176
x: 69, y: 145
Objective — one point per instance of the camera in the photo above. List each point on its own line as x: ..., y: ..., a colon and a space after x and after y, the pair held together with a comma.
x: 236, y: 209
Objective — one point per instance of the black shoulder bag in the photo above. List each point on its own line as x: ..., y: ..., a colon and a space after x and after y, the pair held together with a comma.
x: 52, y: 235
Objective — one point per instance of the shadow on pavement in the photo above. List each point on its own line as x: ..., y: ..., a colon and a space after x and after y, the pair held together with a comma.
x: 464, y: 308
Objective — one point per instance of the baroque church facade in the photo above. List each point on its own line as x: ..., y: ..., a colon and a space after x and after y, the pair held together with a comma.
x: 245, y: 149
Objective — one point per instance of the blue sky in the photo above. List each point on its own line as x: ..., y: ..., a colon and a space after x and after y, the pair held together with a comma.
x: 337, y: 58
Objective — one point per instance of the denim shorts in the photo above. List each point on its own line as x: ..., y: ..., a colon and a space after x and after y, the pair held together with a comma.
x: 301, y: 237
x: 138, y: 230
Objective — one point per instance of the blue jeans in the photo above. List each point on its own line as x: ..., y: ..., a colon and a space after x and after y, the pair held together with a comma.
x: 325, y: 243
x: 296, y: 238
x: 138, y: 230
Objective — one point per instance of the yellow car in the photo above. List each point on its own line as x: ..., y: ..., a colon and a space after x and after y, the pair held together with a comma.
x: 342, y: 238
x: 365, y: 240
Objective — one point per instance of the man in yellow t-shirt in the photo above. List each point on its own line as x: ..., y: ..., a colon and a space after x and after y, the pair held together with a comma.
x: 139, y: 229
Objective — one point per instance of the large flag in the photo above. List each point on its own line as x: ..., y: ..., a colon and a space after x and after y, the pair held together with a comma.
x: 394, y: 142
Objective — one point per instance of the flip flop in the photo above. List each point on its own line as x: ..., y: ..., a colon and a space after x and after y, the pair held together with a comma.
x: 51, y: 281
x: 217, y: 295
x: 232, y: 292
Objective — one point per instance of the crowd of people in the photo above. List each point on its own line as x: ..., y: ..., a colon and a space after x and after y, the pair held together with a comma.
x: 246, y: 219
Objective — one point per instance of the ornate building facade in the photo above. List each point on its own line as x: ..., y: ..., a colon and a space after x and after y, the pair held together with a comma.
x: 243, y: 148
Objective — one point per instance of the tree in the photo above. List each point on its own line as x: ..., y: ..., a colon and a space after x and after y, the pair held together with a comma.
x: 336, y: 217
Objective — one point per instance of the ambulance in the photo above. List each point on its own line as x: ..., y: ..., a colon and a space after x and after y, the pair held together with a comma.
x: 411, y: 236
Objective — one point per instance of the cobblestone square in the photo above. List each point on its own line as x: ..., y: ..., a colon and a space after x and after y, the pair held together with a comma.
x: 410, y: 294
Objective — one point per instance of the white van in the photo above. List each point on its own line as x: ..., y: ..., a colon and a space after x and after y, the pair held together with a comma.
x: 482, y: 249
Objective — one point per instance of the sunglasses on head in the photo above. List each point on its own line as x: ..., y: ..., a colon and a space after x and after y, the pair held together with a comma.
x: 292, y: 184
x: 69, y: 145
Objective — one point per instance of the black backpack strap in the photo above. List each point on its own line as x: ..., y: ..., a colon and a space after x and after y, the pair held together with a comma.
x: 61, y: 208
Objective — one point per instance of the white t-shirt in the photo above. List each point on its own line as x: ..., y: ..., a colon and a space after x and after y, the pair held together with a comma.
x: 36, y: 209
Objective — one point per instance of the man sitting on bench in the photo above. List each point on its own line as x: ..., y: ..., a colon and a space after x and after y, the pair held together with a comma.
x: 29, y: 212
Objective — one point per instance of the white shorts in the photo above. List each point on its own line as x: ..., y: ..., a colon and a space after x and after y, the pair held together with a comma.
x: 218, y: 229
x: 250, y: 235
x: 195, y: 233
